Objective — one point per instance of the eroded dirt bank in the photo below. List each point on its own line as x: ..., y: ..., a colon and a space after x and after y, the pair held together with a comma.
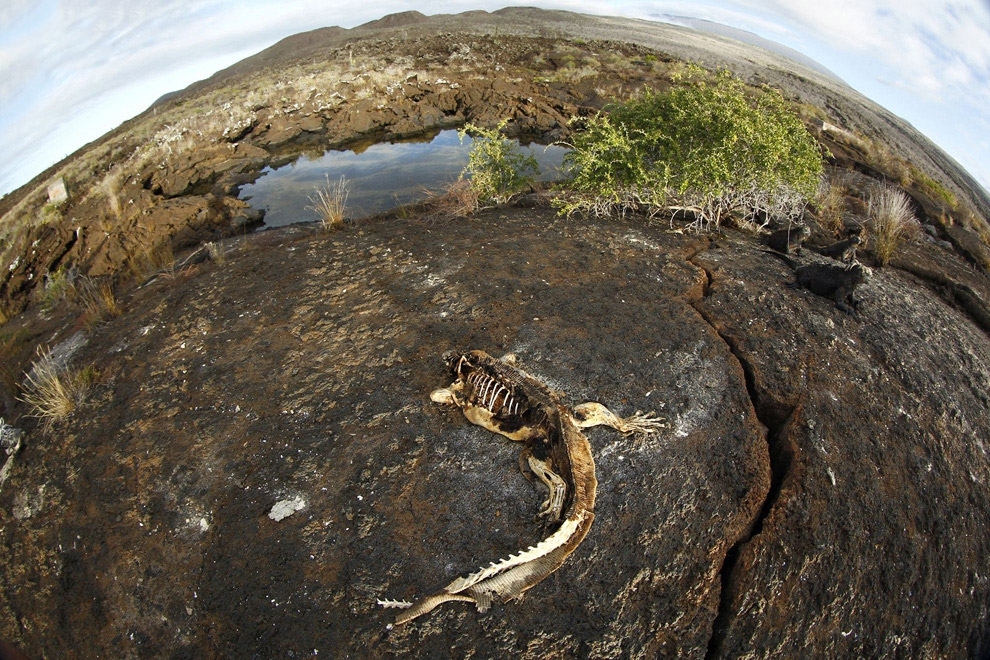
x: 822, y: 488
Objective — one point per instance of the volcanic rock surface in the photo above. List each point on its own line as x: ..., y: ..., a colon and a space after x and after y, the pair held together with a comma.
x: 822, y: 487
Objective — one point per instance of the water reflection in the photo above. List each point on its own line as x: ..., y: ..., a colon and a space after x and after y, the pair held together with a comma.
x: 381, y: 177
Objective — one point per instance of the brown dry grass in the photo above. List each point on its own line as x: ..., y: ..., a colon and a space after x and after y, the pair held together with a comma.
x: 891, y: 221
x: 98, y: 300
x: 330, y: 203
x: 155, y: 260
x: 459, y: 199
x: 831, y: 205
x: 53, y: 391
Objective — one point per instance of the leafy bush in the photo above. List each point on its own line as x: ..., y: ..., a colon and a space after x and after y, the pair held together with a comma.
x: 709, y: 146
x: 496, y: 165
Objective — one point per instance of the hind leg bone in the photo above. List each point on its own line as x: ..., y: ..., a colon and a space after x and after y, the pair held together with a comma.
x: 556, y: 486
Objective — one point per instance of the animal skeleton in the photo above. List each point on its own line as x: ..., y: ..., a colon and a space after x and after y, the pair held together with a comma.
x: 494, y: 394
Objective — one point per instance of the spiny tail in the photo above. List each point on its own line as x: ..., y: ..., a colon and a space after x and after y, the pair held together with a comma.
x: 427, y: 605
x: 549, y: 544
x: 512, y: 576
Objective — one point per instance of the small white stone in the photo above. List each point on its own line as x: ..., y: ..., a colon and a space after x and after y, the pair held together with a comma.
x: 285, y: 508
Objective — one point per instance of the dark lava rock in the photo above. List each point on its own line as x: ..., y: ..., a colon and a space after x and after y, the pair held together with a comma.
x: 822, y: 490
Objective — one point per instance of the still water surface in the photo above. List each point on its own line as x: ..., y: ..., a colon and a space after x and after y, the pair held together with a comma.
x: 379, y: 178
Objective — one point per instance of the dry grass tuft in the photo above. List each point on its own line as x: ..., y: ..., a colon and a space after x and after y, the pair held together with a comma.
x: 330, y: 203
x: 217, y: 253
x: 156, y: 260
x: 891, y: 220
x: 53, y: 391
x: 831, y: 204
x: 98, y: 300
x: 458, y: 200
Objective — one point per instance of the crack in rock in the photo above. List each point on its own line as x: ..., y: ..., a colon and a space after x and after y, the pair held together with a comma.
x: 781, y: 453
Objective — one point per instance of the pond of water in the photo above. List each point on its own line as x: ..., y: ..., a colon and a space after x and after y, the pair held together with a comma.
x: 379, y: 178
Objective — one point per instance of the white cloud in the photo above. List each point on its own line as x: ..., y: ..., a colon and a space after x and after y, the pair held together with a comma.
x: 931, y: 48
x: 62, y: 59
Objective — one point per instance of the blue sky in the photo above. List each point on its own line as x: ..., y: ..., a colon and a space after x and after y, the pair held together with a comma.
x: 70, y: 71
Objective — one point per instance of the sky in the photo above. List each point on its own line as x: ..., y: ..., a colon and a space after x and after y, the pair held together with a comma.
x: 70, y: 71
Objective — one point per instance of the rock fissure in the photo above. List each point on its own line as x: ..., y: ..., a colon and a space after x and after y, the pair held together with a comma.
x: 958, y: 293
x: 781, y: 454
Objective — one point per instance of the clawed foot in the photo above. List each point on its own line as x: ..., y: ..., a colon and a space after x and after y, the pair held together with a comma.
x: 642, y: 423
x: 595, y: 414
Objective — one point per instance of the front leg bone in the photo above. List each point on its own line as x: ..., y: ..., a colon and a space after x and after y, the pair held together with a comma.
x: 444, y: 396
x: 595, y: 414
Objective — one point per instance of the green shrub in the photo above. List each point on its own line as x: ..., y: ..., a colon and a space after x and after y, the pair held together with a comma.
x: 496, y: 165
x: 709, y: 146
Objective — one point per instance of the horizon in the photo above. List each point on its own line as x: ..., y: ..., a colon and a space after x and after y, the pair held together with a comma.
x: 930, y: 69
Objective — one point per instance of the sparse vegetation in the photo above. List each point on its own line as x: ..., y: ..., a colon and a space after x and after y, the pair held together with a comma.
x: 53, y: 391
x: 457, y: 200
x: 496, y: 166
x: 217, y: 254
x: 157, y: 259
x: 891, y: 220
x: 50, y: 213
x: 830, y: 205
x: 110, y: 188
x: 935, y: 189
x: 710, y: 147
x: 330, y: 203
x: 879, y: 155
x: 58, y: 284
x: 97, y: 298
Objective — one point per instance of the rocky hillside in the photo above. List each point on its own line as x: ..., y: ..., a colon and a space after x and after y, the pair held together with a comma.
x: 257, y: 461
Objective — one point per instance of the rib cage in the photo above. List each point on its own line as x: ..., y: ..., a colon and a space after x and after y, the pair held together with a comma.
x: 493, y: 395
